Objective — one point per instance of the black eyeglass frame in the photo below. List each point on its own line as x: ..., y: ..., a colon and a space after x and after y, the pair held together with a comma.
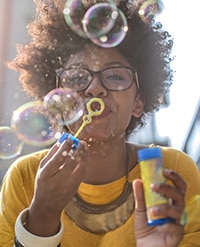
x: 99, y: 73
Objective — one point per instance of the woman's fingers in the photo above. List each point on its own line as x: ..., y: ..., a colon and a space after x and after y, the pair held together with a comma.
x: 139, y: 196
x: 140, y: 223
x: 60, y: 156
x: 58, y: 179
x: 75, y: 162
x: 177, y: 192
x: 77, y: 176
x: 171, y: 211
x: 178, y: 182
x: 48, y: 156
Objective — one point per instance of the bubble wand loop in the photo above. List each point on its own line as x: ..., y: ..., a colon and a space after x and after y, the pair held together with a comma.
x: 88, y: 118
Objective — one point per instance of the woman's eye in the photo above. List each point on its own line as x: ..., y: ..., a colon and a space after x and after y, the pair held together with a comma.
x: 76, y: 79
x: 114, y: 77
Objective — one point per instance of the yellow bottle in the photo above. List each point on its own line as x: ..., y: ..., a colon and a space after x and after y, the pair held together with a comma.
x: 151, y: 167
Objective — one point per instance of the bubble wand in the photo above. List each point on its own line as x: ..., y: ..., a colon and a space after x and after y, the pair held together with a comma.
x: 86, y: 120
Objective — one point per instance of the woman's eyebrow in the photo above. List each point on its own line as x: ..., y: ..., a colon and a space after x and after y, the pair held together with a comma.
x: 113, y: 63
x: 82, y: 65
x: 76, y: 65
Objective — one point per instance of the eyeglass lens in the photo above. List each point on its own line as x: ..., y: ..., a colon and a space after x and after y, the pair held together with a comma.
x: 116, y: 78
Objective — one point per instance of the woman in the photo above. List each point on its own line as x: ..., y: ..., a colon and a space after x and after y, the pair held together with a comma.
x: 83, y: 196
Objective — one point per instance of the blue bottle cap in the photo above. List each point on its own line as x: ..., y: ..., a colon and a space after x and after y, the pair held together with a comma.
x: 75, y: 141
x: 158, y: 222
x: 149, y: 153
x: 65, y: 136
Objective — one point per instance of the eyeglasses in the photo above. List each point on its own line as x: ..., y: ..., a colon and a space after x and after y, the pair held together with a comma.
x: 116, y: 78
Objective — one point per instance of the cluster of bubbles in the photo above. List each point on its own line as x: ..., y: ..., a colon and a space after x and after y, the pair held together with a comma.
x: 103, y: 23
x: 106, y: 26
x: 32, y: 122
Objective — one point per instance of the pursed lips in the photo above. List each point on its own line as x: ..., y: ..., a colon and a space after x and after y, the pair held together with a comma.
x: 105, y: 113
x: 96, y: 107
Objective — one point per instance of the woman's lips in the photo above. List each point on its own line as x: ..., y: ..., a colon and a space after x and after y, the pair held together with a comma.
x: 105, y: 113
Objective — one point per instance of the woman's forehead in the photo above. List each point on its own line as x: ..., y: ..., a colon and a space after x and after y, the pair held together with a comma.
x: 93, y: 56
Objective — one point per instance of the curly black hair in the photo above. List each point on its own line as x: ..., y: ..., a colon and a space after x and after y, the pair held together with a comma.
x: 146, y: 46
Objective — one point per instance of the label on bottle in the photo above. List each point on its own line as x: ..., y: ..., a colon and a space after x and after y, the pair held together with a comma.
x: 152, y: 172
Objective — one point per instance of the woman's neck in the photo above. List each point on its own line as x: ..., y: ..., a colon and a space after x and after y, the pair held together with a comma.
x: 107, y: 161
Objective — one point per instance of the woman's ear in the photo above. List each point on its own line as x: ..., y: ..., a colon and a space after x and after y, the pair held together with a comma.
x: 138, y: 107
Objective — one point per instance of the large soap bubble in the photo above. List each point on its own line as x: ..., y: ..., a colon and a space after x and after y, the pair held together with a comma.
x: 63, y: 106
x: 10, y: 145
x: 99, y: 19
x: 32, y: 126
x: 103, y: 23
x: 109, y: 29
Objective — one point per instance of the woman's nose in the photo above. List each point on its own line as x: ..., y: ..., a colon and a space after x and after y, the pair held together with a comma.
x: 96, y: 88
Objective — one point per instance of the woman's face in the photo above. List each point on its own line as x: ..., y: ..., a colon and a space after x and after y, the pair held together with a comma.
x: 120, y: 106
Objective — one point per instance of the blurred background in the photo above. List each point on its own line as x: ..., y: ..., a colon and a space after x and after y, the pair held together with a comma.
x: 177, y: 124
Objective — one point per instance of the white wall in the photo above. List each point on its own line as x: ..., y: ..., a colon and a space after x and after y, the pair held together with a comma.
x: 14, y: 16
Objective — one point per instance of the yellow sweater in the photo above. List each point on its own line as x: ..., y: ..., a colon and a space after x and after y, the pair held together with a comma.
x: 18, y: 186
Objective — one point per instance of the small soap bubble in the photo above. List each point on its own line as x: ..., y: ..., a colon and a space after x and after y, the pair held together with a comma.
x: 149, y: 9
x: 63, y: 106
x: 73, y: 13
x: 99, y: 19
x: 10, y: 145
x: 32, y: 126
x: 115, y: 35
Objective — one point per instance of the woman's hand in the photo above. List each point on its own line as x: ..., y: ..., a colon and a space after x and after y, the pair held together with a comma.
x: 57, y: 180
x: 169, y: 234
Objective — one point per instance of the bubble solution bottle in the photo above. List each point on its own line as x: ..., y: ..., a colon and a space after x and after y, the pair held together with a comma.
x: 151, y: 167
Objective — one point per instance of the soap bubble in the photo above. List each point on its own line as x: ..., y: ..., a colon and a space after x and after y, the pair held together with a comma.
x: 99, y: 19
x: 73, y: 13
x: 32, y: 126
x: 75, y: 10
x: 63, y: 106
x: 108, y: 37
x: 149, y: 9
x: 10, y: 145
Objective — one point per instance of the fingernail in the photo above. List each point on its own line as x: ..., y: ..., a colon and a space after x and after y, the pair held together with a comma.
x: 154, y: 210
x: 155, y: 186
x: 167, y: 171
